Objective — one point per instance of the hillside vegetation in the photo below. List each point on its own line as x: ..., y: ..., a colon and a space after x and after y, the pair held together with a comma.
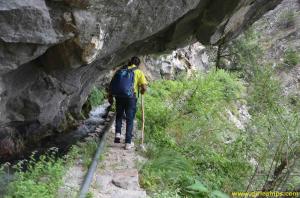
x: 196, y: 150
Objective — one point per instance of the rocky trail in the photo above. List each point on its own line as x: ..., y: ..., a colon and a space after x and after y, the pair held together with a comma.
x: 116, y: 175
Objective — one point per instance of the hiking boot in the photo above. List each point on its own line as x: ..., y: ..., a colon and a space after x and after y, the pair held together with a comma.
x: 118, y: 138
x: 129, y: 146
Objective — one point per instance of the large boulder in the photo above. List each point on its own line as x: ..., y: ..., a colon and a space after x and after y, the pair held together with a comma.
x: 52, y: 52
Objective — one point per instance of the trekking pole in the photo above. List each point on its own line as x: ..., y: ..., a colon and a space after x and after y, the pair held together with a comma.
x: 143, y: 122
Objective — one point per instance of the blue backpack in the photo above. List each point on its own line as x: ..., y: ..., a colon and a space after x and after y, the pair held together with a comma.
x: 122, y: 84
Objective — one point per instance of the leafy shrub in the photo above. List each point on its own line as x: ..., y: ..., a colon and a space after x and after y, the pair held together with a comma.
x: 86, y: 151
x: 245, y: 52
x: 166, y: 170
x: 96, y: 97
x: 187, y: 116
x: 44, y: 174
x: 265, y: 89
x: 294, y: 101
x: 42, y: 179
x: 274, y: 121
x: 287, y: 19
x: 200, y: 190
x: 291, y: 58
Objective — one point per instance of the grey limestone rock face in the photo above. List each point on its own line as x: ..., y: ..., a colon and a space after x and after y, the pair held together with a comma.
x: 53, y: 51
x: 26, y: 31
x: 281, y: 26
x: 281, y: 30
x: 185, y: 60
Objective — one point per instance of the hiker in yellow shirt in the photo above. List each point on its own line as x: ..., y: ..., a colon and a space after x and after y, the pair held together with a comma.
x: 126, y: 85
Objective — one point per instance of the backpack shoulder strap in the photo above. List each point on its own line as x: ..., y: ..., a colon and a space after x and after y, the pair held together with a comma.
x: 133, y: 69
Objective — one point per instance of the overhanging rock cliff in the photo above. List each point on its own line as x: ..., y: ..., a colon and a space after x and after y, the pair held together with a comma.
x: 52, y: 51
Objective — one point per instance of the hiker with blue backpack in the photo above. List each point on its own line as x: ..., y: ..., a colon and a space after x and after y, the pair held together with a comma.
x: 125, y: 86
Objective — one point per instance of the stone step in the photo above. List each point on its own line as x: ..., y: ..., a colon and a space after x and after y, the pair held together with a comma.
x: 126, y: 179
x: 129, y: 193
x: 117, y: 176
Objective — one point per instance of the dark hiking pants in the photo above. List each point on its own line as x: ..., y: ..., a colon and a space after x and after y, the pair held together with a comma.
x: 127, y: 105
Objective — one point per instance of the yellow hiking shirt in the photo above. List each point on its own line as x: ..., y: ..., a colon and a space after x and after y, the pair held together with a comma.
x: 139, y: 79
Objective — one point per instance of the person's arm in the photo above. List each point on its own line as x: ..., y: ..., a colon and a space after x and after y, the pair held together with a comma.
x: 143, y: 83
x: 110, y: 97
